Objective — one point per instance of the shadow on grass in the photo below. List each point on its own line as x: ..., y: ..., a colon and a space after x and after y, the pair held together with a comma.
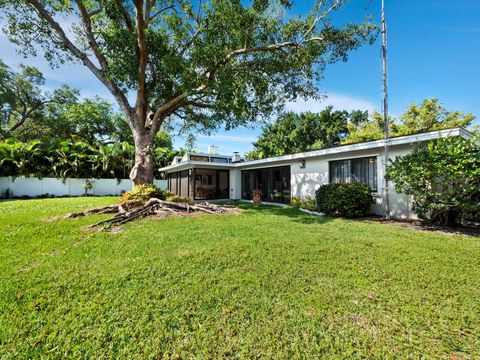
x: 293, y: 213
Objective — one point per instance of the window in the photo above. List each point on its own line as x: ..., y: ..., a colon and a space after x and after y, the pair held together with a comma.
x: 361, y: 170
x: 198, y: 158
x: 211, y: 184
x: 179, y: 183
x: 274, y: 183
x: 218, y: 160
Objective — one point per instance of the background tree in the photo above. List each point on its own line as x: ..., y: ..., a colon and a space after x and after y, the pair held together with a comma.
x: 293, y: 133
x: 203, y: 64
x: 22, y: 99
x: 444, y: 179
x: 429, y: 115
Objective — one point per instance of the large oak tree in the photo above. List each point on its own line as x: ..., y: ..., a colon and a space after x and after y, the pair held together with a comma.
x: 199, y: 64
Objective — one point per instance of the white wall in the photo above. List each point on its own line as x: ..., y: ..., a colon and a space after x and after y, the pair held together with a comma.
x: 235, y: 184
x: 304, y: 182
x: 69, y: 187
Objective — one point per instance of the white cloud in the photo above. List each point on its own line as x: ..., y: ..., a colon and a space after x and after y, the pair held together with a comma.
x: 338, y: 101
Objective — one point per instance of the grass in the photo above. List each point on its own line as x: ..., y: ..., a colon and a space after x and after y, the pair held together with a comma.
x: 269, y: 283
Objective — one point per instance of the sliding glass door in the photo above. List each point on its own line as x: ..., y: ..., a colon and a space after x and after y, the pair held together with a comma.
x: 274, y: 183
x: 203, y: 184
x: 211, y: 184
x: 179, y: 183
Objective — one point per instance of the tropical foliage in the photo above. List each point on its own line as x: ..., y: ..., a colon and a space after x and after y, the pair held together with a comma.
x: 444, y: 179
x: 64, y: 159
x: 429, y: 115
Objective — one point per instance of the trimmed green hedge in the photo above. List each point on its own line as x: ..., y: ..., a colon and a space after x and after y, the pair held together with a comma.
x: 345, y: 200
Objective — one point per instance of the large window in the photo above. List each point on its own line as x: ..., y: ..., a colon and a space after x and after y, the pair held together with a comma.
x: 219, y: 160
x: 274, y: 183
x: 198, y: 158
x: 211, y: 184
x: 179, y: 183
x: 361, y: 170
x: 202, y: 184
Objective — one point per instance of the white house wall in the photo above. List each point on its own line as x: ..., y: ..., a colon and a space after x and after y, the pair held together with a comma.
x: 305, y: 181
x: 235, y: 184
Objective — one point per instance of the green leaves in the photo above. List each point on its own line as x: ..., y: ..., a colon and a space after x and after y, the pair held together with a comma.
x: 293, y: 133
x: 191, y: 45
x: 444, y: 179
x: 429, y: 115
x: 64, y: 159
x: 345, y: 200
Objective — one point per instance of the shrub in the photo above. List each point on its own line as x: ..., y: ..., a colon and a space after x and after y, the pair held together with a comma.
x: 345, y: 200
x: 443, y: 178
x: 308, y: 203
x: 140, y: 194
x: 179, y: 199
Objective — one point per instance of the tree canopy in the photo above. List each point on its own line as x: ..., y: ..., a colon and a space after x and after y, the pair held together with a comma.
x: 429, y: 115
x: 202, y: 64
x: 23, y: 101
x: 293, y: 133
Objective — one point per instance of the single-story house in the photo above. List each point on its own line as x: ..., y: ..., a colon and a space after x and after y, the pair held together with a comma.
x: 212, y: 176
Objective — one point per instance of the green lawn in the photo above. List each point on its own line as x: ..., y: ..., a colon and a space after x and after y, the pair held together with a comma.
x: 268, y: 283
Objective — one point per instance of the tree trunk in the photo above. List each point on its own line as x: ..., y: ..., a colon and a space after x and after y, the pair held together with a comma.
x: 143, y: 169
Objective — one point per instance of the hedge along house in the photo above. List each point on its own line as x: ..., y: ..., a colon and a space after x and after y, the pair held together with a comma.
x: 211, y: 176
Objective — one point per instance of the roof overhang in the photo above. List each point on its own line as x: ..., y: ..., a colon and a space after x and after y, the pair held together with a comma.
x: 395, y: 141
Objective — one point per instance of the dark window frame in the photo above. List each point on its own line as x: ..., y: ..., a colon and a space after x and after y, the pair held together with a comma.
x: 224, y: 160
x: 342, y: 171
x: 265, y: 178
x: 205, y: 158
x: 217, y: 183
x: 176, y: 177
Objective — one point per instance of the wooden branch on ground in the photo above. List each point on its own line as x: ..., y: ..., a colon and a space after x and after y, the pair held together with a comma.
x: 154, y: 206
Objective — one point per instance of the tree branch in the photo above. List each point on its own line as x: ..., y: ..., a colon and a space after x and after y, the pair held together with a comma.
x: 140, y: 104
x: 87, y: 27
x: 169, y: 107
x: 317, y: 19
x: 111, y: 86
x: 126, y: 16
x: 199, y: 104
x: 189, y: 42
x: 161, y: 11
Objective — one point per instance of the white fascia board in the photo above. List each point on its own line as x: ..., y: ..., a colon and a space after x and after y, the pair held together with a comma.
x: 400, y: 140
x: 407, y: 139
x: 196, y: 164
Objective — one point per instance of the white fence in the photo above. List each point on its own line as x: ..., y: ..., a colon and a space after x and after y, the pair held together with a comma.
x: 20, y: 186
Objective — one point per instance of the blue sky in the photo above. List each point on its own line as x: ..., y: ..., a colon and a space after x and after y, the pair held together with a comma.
x: 433, y: 49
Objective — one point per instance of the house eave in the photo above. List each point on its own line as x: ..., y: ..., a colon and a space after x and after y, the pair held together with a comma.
x: 395, y: 141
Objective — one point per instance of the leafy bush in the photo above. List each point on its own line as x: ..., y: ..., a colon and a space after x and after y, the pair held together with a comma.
x: 140, y: 194
x: 308, y: 203
x: 444, y: 179
x: 179, y: 199
x: 345, y: 200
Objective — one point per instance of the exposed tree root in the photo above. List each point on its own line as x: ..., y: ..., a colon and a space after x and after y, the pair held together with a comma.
x: 152, y: 207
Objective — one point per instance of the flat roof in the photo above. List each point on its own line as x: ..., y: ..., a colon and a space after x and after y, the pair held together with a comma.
x: 394, y: 141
